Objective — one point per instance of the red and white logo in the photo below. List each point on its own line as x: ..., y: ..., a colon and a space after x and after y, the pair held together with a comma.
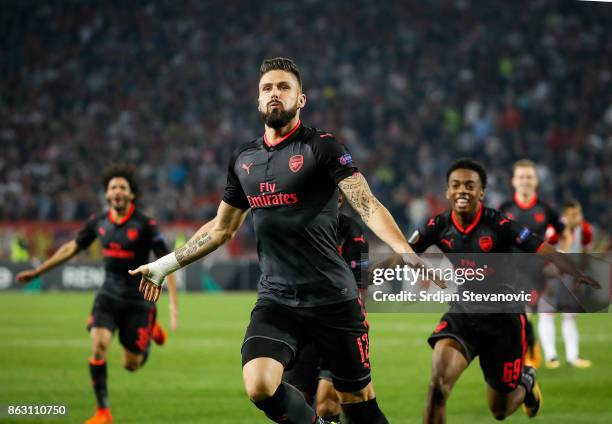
x: 486, y: 243
x: 132, y: 234
x: 539, y: 217
x: 296, y: 162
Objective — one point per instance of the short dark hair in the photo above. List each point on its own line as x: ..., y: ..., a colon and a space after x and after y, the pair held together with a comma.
x: 571, y: 203
x: 471, y: 164
x: 122, y: 170
x: 280, y: 64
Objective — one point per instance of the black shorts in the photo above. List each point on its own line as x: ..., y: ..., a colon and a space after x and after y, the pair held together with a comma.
x: 499, y: 340
x: 304, y: 371
x: 134, y: 321
x: 338, y: 332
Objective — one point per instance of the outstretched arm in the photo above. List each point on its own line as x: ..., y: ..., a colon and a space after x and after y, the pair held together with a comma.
x: 206, y: 240
x: 64, y: 253
x: 172, y: 303
x: 378, y: 219
x: 566, y: 264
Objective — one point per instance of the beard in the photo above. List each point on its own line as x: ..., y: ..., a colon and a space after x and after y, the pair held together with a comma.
x: 278, y: 118
x: 120, y: 206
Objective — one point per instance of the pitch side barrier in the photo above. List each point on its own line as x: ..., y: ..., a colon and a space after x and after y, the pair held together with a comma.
x: 223, y: 275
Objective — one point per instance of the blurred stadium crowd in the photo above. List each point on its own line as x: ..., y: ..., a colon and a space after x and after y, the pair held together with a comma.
x: 409, y: 86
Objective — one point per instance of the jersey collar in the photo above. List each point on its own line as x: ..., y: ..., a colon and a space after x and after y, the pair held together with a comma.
x: 472, y: 225
x: 286, y: 137
x: 527, y: 205
x: 124, y: 218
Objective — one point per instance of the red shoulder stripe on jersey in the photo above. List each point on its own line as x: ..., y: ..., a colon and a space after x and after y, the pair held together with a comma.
x: 285, y: 137
x: 523, y: 339
x: 540, y: 247
x: 587, y: 233
x: 473, y: 225
x: 527, y: 205
x: 124, y: 218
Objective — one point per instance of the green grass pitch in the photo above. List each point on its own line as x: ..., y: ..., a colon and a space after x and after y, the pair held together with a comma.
x: 196, y: 377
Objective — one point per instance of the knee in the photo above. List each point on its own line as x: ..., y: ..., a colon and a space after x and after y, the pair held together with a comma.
x: 328, y: 408
x: 499, y: 414
x: 99, y: 350
x: 131, y: 365
x: 260, y: 387
x: 440, y: 388
x: 569, y: 316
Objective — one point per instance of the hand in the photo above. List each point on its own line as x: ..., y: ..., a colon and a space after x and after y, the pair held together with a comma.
x: 173, y: 317
x: 150, y: 289
x: 585, y: 279
x: 26, y: 276
x: 415, y: 261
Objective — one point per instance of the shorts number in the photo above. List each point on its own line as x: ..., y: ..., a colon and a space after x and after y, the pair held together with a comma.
x: 364, y: 349
x: 512, y: 371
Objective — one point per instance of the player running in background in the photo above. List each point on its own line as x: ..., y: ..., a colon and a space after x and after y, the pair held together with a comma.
x: 498, y: 338
x: 289, y: 179
x: 127, y: 237
x: 308, y: 374
x: 556, y: 295
x: 527, y: 209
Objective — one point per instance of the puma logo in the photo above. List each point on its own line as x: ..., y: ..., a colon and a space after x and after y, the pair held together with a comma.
x: 448, y: 243
x: 247, y: 168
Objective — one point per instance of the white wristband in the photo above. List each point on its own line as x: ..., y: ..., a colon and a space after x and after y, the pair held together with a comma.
x: 162, y: 267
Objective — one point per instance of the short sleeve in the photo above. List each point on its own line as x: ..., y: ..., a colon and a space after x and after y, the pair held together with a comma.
x: 234, y: 194
x: 587, y: 234
x: 555, y: 220
x: 425, y: 236
x: 520, y: 236
x: 158, y: 242
x: 333, y: 156
x: 87, y: 234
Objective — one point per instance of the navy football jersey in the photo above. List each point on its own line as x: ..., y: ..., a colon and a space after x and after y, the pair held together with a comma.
x: 126, y: 244
x: 291, y: 189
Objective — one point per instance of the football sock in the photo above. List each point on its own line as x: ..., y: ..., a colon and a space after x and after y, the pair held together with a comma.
x: 287, y: 406
x: 97, y: 370
x: 366, y: 412
x: 546, y: 328
x: 570, y: 336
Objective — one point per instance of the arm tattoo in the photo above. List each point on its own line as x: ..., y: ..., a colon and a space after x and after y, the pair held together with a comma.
x: 188, y: 253
x: 356, y: 190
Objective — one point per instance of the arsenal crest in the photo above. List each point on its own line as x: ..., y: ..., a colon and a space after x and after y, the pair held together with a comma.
x: 132, y: 234
x: 296, y: 162
x: 486, y: 243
